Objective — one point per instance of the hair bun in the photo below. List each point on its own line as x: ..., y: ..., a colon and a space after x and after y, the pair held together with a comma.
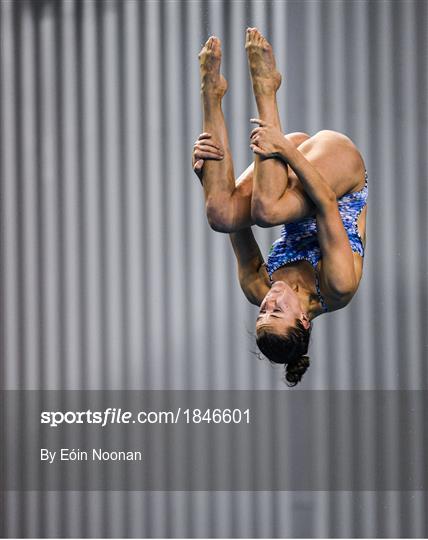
x: 295, y: 370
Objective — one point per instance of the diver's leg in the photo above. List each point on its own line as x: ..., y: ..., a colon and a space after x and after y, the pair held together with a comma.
x: 218, y: 177
x: 270, y: 175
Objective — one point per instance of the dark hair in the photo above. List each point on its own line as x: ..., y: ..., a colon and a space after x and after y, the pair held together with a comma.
x: 289, y: 349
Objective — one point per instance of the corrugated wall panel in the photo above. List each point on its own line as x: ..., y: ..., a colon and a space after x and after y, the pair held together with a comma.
x: 110, y: 275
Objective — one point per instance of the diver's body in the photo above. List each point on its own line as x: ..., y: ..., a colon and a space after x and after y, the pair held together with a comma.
x: 314, y: 186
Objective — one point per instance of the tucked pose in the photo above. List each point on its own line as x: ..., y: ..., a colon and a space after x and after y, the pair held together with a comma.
x: 315, y: 187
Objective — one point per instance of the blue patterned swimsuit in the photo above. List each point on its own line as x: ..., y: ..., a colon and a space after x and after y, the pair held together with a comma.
x: 299, y: 240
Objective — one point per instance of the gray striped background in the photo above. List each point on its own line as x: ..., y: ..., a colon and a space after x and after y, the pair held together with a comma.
x: 110, y: 275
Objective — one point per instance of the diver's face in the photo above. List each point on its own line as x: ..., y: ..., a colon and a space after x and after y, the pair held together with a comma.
x: 280, y: 309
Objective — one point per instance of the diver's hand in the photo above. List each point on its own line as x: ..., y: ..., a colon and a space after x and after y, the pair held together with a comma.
x: 205, y: 147
x: 267, y: 141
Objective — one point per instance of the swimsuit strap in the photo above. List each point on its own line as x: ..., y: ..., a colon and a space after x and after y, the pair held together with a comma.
x: 320, y: 296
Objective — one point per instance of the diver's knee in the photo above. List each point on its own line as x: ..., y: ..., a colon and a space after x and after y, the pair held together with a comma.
x: 219, y: 216
x: 261, y: 213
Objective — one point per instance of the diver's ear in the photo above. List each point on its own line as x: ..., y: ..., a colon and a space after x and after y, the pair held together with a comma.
x: 305, y: 321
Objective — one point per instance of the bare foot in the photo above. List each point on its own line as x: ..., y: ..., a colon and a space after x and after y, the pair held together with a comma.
x: 266, y: 79
x: 212, y: 83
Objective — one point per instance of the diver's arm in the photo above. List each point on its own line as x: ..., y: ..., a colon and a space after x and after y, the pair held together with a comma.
x: 338, y: 279
x: 337, y: 273
x: 252, y: 273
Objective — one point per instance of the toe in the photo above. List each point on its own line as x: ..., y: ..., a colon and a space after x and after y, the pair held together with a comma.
x: 250, y: 36
x: 216, y: 43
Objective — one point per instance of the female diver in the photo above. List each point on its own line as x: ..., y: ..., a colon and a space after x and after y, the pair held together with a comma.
x: 316, y: 187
